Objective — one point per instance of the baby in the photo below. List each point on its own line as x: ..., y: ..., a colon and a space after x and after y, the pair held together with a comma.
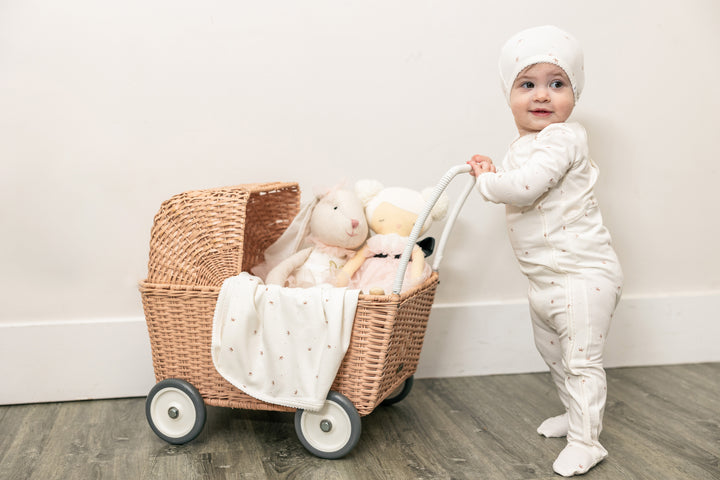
x: 557, y: 233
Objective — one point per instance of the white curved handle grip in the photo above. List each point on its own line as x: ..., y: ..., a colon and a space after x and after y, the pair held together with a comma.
x: 437, y: 191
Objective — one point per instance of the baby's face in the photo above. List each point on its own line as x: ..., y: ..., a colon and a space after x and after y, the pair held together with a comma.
x: 541, y: 95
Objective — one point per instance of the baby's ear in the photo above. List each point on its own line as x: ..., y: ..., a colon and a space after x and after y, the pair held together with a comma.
x: 366, y: 190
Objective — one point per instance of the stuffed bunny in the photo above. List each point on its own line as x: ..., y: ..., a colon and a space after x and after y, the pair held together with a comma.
x: 326, y: 232
x: 391, y: 214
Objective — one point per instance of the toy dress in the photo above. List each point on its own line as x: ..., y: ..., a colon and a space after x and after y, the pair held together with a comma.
x: 321, y: 265
x: 378, y: 270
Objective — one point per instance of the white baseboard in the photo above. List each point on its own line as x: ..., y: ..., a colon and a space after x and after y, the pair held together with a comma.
x: 497, y: 338
x: 73, y: 360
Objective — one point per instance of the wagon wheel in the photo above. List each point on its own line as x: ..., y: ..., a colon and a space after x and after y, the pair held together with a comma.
x: 333, y: 431
x: 401, y: 392
x: 175, y: 411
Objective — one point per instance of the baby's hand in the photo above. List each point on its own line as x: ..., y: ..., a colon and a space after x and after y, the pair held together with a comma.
x: 481, y: 164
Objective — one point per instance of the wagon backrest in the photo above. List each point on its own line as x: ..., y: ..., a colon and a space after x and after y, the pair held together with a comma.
x: 202, y: 237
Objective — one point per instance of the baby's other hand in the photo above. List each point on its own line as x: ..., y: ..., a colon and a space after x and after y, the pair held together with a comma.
x: 481, y: 164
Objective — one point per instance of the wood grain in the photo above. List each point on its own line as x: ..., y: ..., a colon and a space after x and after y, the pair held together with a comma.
x: 660, y: 423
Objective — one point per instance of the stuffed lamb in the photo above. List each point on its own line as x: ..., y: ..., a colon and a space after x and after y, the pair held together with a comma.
x: 391, y: 214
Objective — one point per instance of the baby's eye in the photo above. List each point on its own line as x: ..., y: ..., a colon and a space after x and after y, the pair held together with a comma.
x: 557, y: 84
x: 527, y: 85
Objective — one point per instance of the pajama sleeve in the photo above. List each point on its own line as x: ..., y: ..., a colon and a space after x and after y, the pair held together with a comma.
x: 550, y: 157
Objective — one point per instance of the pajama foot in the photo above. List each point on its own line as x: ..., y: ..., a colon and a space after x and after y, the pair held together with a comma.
x: 554, y: 426
x: 576, y: 460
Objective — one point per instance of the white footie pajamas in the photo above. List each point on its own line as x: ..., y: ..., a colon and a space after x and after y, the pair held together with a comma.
x: 575, y: 280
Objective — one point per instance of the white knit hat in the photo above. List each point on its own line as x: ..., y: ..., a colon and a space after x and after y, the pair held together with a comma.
x: 546, y: 44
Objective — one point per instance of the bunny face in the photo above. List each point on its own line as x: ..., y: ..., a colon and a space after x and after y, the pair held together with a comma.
x: 339, y: 220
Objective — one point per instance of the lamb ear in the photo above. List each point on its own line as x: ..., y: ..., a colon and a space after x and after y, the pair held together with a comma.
x: 440, y: 209
x: 366, y: 190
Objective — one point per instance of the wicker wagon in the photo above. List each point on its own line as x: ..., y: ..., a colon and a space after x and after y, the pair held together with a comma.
x: 200, y: 238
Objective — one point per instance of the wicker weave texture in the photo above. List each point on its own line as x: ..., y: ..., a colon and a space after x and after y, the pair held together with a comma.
x: 385, y: 346
x: 179, y: 320
x: 384, y: 350
x: 201, y: 238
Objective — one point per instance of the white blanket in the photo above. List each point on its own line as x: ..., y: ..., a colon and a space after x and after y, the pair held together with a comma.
x: 282, y: 345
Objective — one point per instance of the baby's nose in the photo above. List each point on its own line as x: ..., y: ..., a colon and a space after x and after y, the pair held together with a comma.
x: 541, y: 93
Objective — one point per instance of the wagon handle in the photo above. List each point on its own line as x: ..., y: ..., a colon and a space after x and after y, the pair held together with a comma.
x: 437, y: 191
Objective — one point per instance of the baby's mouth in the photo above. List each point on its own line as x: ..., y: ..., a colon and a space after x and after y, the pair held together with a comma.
x: 541, y: 112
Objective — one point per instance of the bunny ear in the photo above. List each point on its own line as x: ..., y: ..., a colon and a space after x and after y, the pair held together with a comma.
x: 367, y: 189
x: 292, y: 239
x: 321, y: 192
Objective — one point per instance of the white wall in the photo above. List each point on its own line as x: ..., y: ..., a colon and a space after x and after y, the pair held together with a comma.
x: 108, y: 108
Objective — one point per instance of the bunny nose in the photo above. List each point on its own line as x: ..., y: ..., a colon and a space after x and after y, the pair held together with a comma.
x: 354, y: 223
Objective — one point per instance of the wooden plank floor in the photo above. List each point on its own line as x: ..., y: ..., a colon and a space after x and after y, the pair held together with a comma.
x: 660, y: 423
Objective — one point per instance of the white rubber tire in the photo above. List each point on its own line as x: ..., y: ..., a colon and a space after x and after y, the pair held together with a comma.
x: 333, y: 431
x: 175, y: 411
